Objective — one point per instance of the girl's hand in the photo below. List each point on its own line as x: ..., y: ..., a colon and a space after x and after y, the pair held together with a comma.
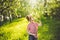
x: 40, y: 24
x: 35, y: 35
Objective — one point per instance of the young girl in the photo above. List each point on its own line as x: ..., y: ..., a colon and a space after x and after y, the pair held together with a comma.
x: 32, y: 28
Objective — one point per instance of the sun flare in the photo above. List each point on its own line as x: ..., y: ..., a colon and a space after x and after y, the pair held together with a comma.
x: 33, y: 3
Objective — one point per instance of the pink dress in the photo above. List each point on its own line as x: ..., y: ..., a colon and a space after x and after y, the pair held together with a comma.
x: 33, y: 28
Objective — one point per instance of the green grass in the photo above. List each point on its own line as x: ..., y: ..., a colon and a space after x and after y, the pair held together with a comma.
x: 15, y: 30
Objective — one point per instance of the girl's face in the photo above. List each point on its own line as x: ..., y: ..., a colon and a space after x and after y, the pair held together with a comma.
x: 32, y: 19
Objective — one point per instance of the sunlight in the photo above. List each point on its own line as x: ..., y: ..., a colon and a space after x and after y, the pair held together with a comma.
x: 33, y: 3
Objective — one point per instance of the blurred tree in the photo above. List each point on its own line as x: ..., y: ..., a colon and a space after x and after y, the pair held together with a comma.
x: 23, y: 9
x: 8, y: 7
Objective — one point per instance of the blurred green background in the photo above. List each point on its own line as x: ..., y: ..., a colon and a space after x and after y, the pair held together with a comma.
x: 13, y: 24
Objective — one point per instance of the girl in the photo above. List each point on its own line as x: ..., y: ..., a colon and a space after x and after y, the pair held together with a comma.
x: 32, y: 28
